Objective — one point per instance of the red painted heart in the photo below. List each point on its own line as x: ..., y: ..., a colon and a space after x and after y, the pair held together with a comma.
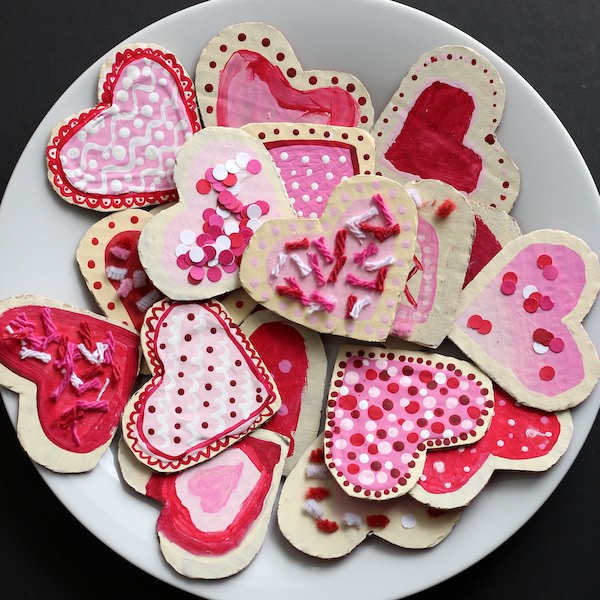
x: 121, y: 153
x: 519, y: 438
x: 441, y: 123
x: 82, y: 367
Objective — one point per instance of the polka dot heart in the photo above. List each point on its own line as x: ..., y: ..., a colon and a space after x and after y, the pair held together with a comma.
x: 313, y: 159
x: 387, y: 408
x: 248, y: 73
x: 121, y: 153
x: 209, y: 388
x: 520, y: 317
x: 441, y: 123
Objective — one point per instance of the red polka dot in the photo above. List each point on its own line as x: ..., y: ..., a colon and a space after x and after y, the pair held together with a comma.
x: 425, y: 376
x: 543, y: 260
x: 95, y: 241
x: 375, y: 413
x: 485, y: 327
x: 412, y: 408
x: 353, y: 468
x: 531, y: 305
x: 393, y: 388
x: 97, y: 285
x: 474, y: 321
x: 547, y: 373
x: 347, y: 402
x: 203, y: 186
x: 357, y: 439
x: 91, y: 264
x: 371, y: 374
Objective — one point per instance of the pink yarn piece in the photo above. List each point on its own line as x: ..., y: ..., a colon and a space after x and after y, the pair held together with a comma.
x: 320, y: 245
x: 313, y: 261
x: 383, y: 209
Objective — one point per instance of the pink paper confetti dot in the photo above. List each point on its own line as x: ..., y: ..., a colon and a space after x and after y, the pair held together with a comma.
x: 254, y: 166
x: 214, y: 274
x: 196, y: 274
x: 557, y: 345
x: 546, y: 303
x: 508, y: 287
x: 550, y: 272
x: 184, y: 262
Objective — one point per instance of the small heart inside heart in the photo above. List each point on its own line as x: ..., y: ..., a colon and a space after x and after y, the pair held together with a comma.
x: 253, y: 90
x: 214, y: 486
x: 430, y: 144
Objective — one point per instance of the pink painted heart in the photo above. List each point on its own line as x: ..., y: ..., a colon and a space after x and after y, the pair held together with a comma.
x: 441, y: 123
x: 444, y: 238
x: 248, y: 73
x: 228, y: 186
x: 208, y: 389
x: 313, y: 159
x: 387, y: 408
x: 121, y: 153
x: 79, y: 370
x: 343, y: 273
x: 210, y: 510
x: 519, y: 438
x: 109, y: 261
x: 520, y: 319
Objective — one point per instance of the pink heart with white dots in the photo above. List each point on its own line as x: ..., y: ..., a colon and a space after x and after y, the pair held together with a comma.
x: 121, y: 153
x: 387, y: 408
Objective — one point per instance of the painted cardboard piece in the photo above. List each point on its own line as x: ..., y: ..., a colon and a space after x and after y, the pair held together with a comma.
x: 208, y: 387
x: 120, y: 154
x: 248, y: 73
x: 519, y: 439
x: 313, y: 159
x: 520, y: 319
x: 343, y: 273
x: 441, y: 124
x: 318, y: 518
x: 73, y: 372
x: 445, y: 232
x: 228, y: 186
x: 387, y: 409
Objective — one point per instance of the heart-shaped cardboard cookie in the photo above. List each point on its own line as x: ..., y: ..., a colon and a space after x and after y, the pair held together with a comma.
x: 209, y: 388
x: 444, y: 238
x: 387, y: 408
x: 228, y: 185
x: 313, y: 159
x: 520, y: 319
x: 121, y: 153
x: 109, y: 261
x: 343, y: 273
x: 216, y: 513
x: 73, y: 372
x: 519, y: 439
x: 320, y: 519
x: 248, y: 73
x: 441, y: 123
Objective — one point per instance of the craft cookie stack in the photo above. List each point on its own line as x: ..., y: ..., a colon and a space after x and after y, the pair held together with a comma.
x: 249, y: 220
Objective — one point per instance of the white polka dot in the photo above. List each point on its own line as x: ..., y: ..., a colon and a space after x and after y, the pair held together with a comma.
x: 92, y: 164
x: 342, y: 159
x: 159, y: 136
x: 305, y: 160
x: 467, y: 424
x: 196, y: 254
x: 429, y: 402
x: 363, y: 404
x: 325, y: 159
x: 153, y: 97
x: 340, y: 443
x: 147, y: 71
x: 329, y: 175
x: 122, y: 95
x: 181, y: 249
x: 347, y: 424
x: 119, y: 152
x: 374, y: 392
x: 116, y: 185
x: 363, y: 458
x: 284, y: 156
x: 124, y: 132
x: 408, y: 425
x: 409, y: 521
x: 146, y: 110
x: 73, y: 152
x: 439, y: 466
x: 393, y: 432
x: 384, y: 448
x: 126, y: 82
x: 138, y: 123
x: 151, y: 152
x: 351, y: 377
x: 366, y: 477
x: 528, y: 290
x: 295, y: 185
x: 370, y: 426
x: 306, y: 198
x: 440, y: 378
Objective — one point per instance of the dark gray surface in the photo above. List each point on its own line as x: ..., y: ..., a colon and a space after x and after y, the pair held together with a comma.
x: 44, y: 552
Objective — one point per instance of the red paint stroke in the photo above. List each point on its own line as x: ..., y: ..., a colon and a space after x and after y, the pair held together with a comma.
x: 430, y: 144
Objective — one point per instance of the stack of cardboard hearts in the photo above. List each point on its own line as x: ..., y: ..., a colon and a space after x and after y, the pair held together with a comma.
x: 256, y: 217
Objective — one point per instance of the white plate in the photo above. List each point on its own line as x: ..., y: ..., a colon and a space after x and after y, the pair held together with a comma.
x: 398, y: 35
